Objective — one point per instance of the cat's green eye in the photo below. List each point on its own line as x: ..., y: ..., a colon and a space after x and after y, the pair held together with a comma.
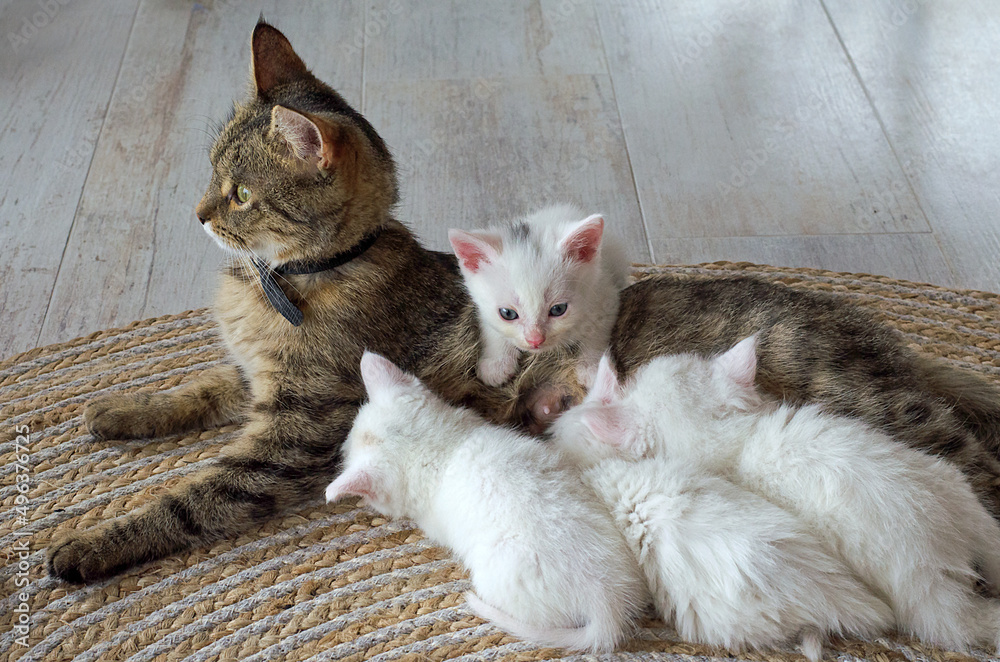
x: 242, y: 193
x: 558, y: 309
x: 508, y: 314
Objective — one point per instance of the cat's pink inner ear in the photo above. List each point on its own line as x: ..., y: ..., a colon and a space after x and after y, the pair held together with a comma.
x: 353, y: 482
x: 473, y: 250
x: 583, y: 241
x: 299, y: 132
x: 739, y: 363
x: 273, y: 61
x: 606, y: 387
x: 380, y: 374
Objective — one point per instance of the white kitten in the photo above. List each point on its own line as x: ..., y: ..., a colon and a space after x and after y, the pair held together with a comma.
x: 906, y: 523
x: 546, y: 560
x: 726, y: 566
x: 544, y: 282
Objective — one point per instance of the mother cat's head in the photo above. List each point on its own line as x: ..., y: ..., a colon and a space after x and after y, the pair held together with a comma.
x: 297, y: 173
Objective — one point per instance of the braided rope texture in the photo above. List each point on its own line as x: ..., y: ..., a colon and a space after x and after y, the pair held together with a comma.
x: 327, y: 582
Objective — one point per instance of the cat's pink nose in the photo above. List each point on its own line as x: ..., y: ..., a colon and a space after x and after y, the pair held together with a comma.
x: 534, y: 338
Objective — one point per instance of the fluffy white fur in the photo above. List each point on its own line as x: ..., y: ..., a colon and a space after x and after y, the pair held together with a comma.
x: 546, y: 560
x: 547, y: 259
x: 906, y: 523
x: 726, y: 566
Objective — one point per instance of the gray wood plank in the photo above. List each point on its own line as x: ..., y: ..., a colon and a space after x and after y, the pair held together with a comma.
x: 914, y: 257
x: 474, y: 152
x: 56, y: 83
x: 460, y: 39
x: 136, y: 242
x: 931, y: 71
x: 744, y: 119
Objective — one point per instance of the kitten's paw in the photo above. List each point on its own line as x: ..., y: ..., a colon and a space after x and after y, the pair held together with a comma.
x: 545, y: 404
x: 495, y: 372
x: 77, y: 557
x: 120, y: 417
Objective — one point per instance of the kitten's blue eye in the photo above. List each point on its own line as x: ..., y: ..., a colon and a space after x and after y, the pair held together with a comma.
x: 508, y: 314
x: 558, y: 309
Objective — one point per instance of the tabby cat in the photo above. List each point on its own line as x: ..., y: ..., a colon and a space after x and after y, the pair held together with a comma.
x: 302, y: 195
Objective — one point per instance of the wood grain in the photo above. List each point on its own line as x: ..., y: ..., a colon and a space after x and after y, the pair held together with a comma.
x: 459, y: 39
x: 476, y: 152
x: 931, y: 72
x: 57, y: 82
x: 913, y: 257
x: 745, y: 120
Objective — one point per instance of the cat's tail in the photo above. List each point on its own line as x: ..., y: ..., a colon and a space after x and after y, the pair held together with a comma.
x: 600, y: 635
x: 974, y: 399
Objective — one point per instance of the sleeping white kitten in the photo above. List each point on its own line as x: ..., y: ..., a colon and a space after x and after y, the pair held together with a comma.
x: 547, y: 562
x: 907, y: 524
x: 726, y: 567
x: 548, y: 281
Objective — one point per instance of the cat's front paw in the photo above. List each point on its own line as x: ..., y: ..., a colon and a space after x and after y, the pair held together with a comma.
x: 78, y: 557
x: 120, y: 416
x: 495, y: 372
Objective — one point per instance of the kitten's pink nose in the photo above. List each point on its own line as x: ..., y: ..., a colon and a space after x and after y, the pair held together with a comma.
x: 534, y: 338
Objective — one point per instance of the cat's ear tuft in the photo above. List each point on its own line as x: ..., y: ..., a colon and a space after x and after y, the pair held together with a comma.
x: 606, y: 387
x: 309, y: 138
x: 739, y: 364
x: 583, y: 240
x: 473, y: 249
x: 381, y: 376
x: 273, y: 60
x: 356, y: 481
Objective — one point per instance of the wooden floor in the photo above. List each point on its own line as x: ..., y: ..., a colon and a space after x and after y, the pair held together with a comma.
x: 853, y: 136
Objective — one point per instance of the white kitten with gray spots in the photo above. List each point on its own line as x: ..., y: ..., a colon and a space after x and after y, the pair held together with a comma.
x: 546, y: 561
x: 547, y: 281
x: 907, y: 524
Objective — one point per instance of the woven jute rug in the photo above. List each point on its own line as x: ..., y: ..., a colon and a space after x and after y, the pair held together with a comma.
x: 328, y: 582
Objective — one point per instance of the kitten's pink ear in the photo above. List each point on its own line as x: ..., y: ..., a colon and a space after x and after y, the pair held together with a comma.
x: 583, y: 240
x: 473, y: 249
x: 739, y: 364
x: 353, y: 482
x: 382, y: 376
x: 273, y: 62
x: 606, y: 387
x: 606, y: 424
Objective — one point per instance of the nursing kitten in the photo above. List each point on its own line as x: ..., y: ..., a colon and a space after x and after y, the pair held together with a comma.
x: 301, y: 178
x: 547, y: 281
x: 545, y: 559
x: 906, y: 523
x: 726, y: 567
